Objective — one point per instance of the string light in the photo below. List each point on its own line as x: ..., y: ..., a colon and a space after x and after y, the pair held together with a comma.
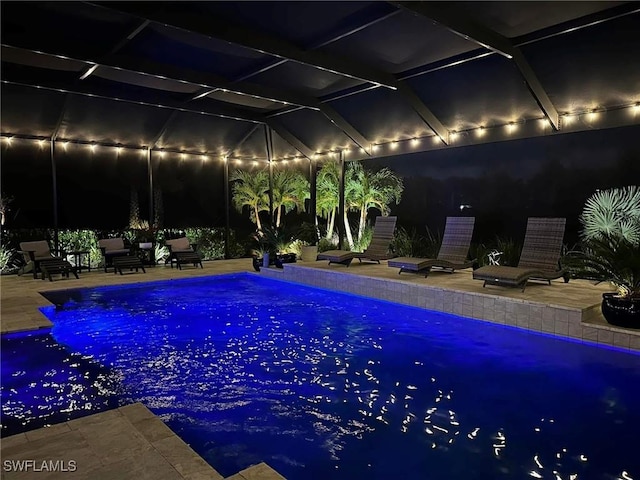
x: 394, y: 145
x: 183, y: 156
x: 65, y: 145
x: 92, y: 147
x: 453, y: 135
x: 480, y: 131
x: 415, y: 142
x: 374, y: 147
x: 41, y: 142
x: 592, y: 115
x: 161, y: 153
x: 511, y: 127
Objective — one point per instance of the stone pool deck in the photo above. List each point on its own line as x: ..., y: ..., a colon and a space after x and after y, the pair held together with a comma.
x: 568, y: 310
x: 131, y: 443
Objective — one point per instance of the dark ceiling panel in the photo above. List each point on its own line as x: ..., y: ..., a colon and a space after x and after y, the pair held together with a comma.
x: 244, y: 100
x: 382, y: 115
x: 299, y: 22
x: 485, y: 92
x: 400, y: 43
x: 147, y: 81
x: 67, y: 25
x: 191, y: 132
x: 28, y: 111
x: 282, y: 148
x: 315, y: 131
x: 254, y: 147
x: 33, y: 59
x: 106, y: 121
x: 588, y: 68
x: 513, y: 19
x: 304, y: 79
x: 187, y: 50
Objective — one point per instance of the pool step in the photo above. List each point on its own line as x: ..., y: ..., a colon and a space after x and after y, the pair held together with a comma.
x: 261, y: 471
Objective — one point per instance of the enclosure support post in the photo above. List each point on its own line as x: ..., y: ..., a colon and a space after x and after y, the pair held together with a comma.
x: 340, y: 221
x: 226, y: 207
x: 269, y: 144
x: 313, y: 173
x: 54, y: 184
x: 152, y: 224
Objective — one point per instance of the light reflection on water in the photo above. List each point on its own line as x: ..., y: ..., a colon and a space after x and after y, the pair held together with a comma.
x: 322, y: 385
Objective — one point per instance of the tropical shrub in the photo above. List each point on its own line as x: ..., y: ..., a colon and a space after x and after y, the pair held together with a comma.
x: 8, y: 260
x: 71, y: 240
x: 614, y: 213
x: 610, y: 249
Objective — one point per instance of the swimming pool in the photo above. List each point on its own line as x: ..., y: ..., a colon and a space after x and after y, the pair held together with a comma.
x: 328, y: 385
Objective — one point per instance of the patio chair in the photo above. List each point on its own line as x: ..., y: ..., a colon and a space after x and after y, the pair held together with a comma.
x: 378, y: 248
x: 539, y: 259
x: 111, y: 248
x: 453, y: 252
x: 35, y: 253
x: 182, y: 252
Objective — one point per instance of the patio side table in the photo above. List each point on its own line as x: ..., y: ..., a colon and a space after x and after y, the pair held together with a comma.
x: 77, y: 259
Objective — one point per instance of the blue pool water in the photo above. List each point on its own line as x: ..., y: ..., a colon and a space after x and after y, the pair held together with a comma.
x: 322, y: 385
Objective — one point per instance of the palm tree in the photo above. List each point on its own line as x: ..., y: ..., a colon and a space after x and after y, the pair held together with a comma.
x: 369, y: 189
x: 251, y: 190
x: 365, y: 189
x: 327, y: 196
x: 290, y: 189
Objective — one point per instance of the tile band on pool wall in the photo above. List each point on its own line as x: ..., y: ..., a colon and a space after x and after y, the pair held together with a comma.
x: 553, y: 319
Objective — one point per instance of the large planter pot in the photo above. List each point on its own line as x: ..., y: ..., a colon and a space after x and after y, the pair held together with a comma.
x: 309, y: 253
x: 621, y: 312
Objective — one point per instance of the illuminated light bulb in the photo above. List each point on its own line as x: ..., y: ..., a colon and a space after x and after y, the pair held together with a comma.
x: 393, y: 145
x: 9, y: 140
x: 161, y: 153
x: 511, y: 127
x: 415, y: 142
x: 65, y: 145
x: 593, y: 115
x: 346, y: 150
x: 374, y: 147
x: 118, y: 149
x: 285, y: 161
x: 92, y: 147
x: 453, y: 135
x: 183, y: 156
x: 41, y: 142
x: 296, y: 159
x: 543, y: 123
x: 238, y: 162
x: 480, y: 131
x: 255, y: 163
x: 205, y: 157
x: 635, y: 108
x: 362, y: 150
x: 568, y: 119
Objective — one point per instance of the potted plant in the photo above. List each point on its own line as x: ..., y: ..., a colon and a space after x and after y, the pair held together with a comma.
x: 611, y: 251
x: 308, y: 234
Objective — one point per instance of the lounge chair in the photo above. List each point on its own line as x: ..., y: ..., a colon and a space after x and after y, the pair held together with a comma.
x: 111, y: 248
x: 378, y: 248
x: 539, y: 259
x: 182, y: 252
x: 35, y: 253
x: 452, y: 254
